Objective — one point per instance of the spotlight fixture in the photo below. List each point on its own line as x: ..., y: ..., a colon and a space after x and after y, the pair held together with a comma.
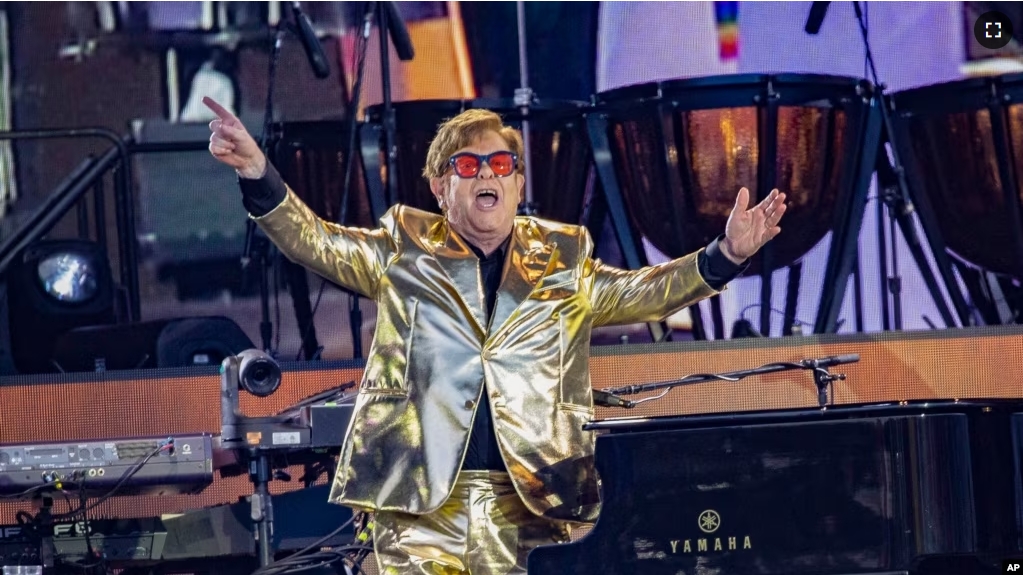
x: 53, y: 287
x: 69, y: 277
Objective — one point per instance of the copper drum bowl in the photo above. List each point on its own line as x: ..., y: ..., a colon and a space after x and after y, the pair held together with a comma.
x: 681, y: 149
x: 962, y: 147
x: 559, y: 161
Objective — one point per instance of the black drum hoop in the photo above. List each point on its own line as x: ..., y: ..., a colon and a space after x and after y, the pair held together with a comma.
x: 411, y: 110
x: 960, y: 96
x: 736, y: 90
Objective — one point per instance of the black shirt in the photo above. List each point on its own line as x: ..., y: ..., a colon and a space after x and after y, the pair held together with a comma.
x: 483, y: 451
x: 262, y: 195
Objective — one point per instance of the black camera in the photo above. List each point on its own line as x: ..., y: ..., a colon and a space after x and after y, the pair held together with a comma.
x: 259, y: 374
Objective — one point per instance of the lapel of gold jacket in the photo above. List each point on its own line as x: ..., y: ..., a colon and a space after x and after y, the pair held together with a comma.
x: 526, y: 264
x: 528, y: 261
x: 462, y: 266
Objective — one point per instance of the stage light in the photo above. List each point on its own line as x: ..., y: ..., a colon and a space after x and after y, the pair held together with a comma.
x: 69, y: 277
x: 55, y: 286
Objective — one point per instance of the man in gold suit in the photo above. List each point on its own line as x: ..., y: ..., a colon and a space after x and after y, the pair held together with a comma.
x: 467, y: 440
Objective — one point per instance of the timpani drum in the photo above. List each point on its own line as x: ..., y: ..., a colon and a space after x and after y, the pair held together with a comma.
x: 962, y: 146
x: 679, y: 151
x: 559, y: 162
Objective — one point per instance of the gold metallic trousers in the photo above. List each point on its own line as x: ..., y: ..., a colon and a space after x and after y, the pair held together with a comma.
x: 482, y: 529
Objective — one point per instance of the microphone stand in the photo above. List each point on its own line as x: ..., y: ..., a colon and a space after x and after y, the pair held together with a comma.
x: 389, y: 146
x: 255, y: 240
x: 354, y: 312
x: 821, y: 377
x: 523, y: 99
x: 894, y: 193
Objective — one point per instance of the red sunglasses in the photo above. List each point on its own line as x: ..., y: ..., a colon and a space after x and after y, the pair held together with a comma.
x: 468, y: 165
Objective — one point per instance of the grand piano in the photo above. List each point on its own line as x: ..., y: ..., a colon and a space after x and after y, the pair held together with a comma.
x: 921, y: 488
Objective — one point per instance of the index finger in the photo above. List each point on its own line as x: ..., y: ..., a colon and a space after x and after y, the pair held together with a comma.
x: 222, y: 112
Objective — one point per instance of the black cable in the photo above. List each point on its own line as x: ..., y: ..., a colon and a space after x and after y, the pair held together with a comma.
x: 866, y: 30
x: 92, y: 558
x: 795, y: 321
x: 314, y: 561
x: 356, y: 562
x: 169, y: 444
x: 310, y: 558
x: 633, y: 389
x: 30, y: 491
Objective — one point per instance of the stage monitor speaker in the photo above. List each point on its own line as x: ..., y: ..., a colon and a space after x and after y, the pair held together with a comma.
x: 162, y: 343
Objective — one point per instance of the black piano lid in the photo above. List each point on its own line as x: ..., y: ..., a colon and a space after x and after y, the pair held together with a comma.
x: 829, y: 413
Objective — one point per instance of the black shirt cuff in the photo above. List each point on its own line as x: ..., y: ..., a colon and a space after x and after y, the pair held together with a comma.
x: 260, y: 196
x: 715, y: 267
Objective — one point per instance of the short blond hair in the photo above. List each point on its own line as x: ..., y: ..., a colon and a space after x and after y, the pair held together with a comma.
x: 461, y: 131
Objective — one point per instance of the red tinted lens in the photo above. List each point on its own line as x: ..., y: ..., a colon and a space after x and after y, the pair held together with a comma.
x: 467, y: 166
x: 502, y: 163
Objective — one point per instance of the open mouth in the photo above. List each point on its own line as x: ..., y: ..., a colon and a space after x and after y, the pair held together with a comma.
x: 486, y: 199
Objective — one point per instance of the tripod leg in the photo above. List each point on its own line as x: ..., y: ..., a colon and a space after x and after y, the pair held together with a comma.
x: 908, y: 228
x: 896, y: 198
x: 262, y: 507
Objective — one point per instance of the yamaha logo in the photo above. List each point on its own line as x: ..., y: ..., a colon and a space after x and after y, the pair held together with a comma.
x: 709, y: 521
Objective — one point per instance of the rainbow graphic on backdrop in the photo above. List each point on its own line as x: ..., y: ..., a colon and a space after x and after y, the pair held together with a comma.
x: 726, y: 14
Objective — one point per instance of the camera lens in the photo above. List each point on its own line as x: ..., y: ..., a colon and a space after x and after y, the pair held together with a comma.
x: 259, y: 374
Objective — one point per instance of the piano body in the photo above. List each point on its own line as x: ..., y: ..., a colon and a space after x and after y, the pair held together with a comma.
x: 922, y: 488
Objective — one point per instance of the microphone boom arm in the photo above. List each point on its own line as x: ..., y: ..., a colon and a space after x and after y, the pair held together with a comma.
x: 822, y: 378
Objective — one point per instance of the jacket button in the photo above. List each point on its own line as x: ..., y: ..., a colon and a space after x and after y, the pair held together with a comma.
x: 488, y: 355
x: 469, y: 404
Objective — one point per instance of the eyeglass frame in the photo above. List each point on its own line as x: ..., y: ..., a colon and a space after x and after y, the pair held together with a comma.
x: 482, y: 160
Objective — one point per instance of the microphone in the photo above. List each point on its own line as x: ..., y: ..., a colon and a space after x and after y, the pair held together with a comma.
x: 313, y: 49
x: 829, y: 361
x: 816, y: 17
x: 399, y: 33
x: 611, y: 400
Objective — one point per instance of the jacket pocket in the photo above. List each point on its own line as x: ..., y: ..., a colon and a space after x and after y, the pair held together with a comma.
x: 558, y: 285
x: 387, y: 368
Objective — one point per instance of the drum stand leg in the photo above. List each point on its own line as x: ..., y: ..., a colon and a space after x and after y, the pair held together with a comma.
x: 596, y: 126
x: 895, y: 194
x: 894, y: 197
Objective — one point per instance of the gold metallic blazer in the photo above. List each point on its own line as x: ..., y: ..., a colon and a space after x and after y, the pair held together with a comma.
x: 433, y: 350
